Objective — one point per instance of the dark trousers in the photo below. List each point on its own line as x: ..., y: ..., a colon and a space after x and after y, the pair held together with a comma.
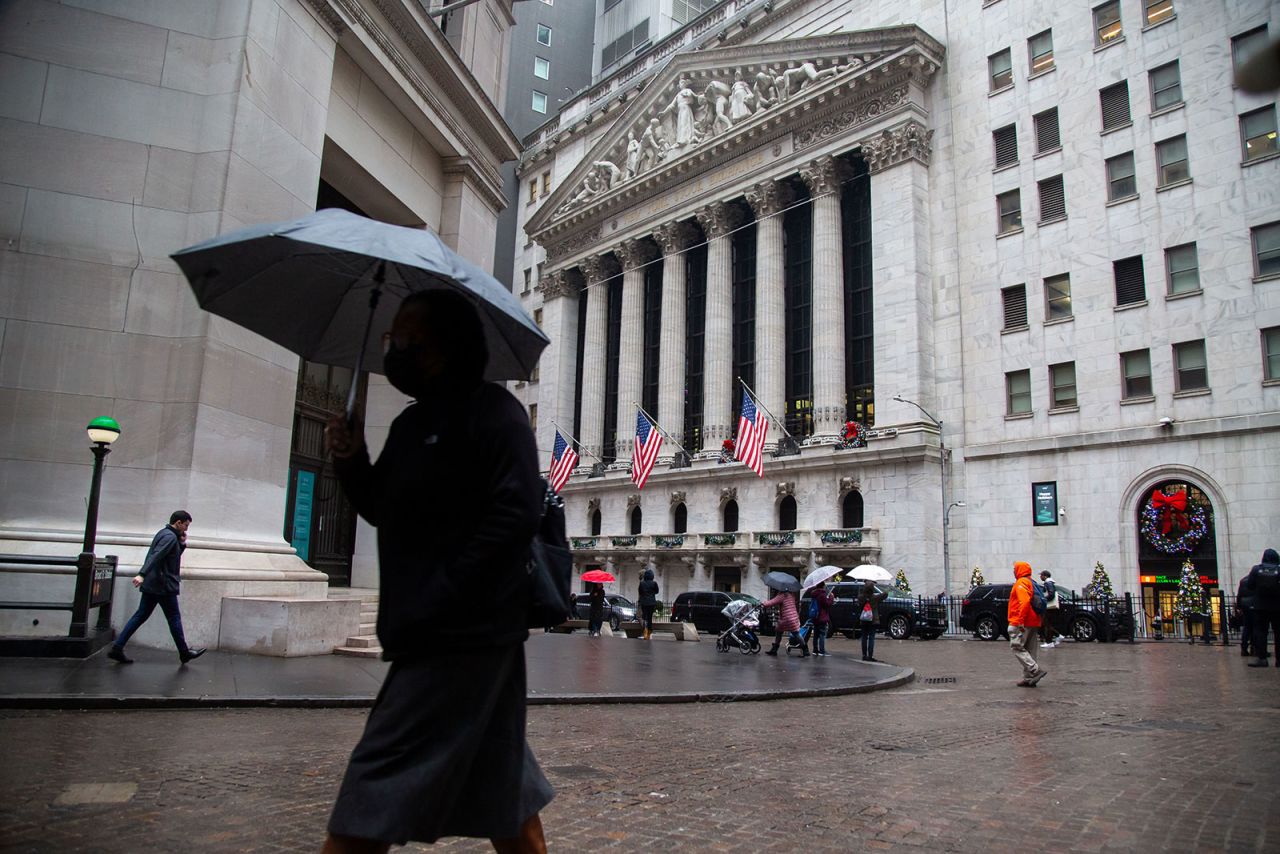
x: 1246, y: 631
x: 646, y: 614
x: 868, y: 640
x: 820, y: 637
x: 1047, y: 627
x: 1263, y: 620
x: 796, y: 640
x: 168, y: 603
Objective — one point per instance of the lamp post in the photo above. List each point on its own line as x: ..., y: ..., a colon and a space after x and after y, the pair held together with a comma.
x: 102, y: 432
x: 946, y: 506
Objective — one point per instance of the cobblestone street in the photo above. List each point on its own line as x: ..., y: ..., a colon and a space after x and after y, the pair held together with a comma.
x: 1149, y: 748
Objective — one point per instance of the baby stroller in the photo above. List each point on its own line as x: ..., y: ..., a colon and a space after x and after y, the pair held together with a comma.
x: 744, y: 619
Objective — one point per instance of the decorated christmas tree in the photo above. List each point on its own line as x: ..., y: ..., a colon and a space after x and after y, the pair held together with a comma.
x: 975, y: 578
x: 1100, y: 585
x: 1190, y: 591
x: 900, y: 581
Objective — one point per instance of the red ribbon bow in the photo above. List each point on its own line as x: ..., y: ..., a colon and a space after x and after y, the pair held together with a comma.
x: 1172, y: 508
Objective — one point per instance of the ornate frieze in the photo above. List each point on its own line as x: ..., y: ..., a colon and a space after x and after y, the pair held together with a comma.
x: 718, y: 219
x: 908, y: 141
x: 861, y: 113
x: 769, y: 197
x: 556, y: 284
x: 572, y: 244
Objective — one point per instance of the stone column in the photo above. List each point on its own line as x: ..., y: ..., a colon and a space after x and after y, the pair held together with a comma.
x: 593, y: 356
x: 559, y: 363
x: 717, y: 220
x: 673, y: 239
x: 768, y: 199
x: 633, y: 254
x: 823, y: 177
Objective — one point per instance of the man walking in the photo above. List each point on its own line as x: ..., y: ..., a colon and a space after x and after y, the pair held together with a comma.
x: 1049, y: 626
x: 1262, y: 585
x: 1024, y: 622
x: 159, y: 581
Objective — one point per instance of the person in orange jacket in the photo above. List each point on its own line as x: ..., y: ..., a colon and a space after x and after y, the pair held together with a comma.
x: 1024, y: 625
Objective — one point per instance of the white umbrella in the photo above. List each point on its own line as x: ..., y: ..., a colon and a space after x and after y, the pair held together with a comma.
x: 819, y: 575
x: 870, y: 572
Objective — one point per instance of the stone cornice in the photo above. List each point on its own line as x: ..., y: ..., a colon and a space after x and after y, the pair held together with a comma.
x: 479, y: 180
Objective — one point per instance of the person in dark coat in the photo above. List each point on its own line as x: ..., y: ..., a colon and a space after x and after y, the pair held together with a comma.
x: 648, y: 601
x: 869, y: 597
x: 1262, y: 586
x: 1244, y: 608
x: 595, y: 617
x: 160, y: 582
x: 822, y: 622
x: 456, y: 498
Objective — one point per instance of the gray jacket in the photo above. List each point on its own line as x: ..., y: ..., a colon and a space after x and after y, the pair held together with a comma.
x: 160, y: 570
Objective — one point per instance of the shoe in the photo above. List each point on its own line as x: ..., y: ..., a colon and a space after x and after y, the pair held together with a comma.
x: 773, y: 652
x: 1244, y: 653
x: 117, y: 654
x: 1261, y: 662
x: 191, y: 654
x: 1026, y: 683
x: 1040, y: 674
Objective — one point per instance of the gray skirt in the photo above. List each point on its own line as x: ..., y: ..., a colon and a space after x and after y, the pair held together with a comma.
x: 444, y: 753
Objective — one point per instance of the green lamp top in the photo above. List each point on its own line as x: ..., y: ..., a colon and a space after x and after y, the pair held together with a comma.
x: 103, y: 430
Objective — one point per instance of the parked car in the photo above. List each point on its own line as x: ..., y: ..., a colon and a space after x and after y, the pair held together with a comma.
x: 901, y: 614
x: 617, y: 609
x: 703, y: 607
x: 985, y: 612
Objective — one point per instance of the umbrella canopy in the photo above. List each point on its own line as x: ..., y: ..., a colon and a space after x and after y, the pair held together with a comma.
x: 870, y: 572
x: 819, y: 575
x: 597, y: 576
x: 782, y: 581
x: 307, y: 285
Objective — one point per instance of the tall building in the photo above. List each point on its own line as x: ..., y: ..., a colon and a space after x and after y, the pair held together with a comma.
x: 1030, y: 251
x: 128, y: 131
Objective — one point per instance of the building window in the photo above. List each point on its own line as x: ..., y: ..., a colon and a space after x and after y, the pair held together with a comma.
x: 1053, y: 200
x: 684, y: 11
x: 1166, y: 86
x: 1000, y: 66
x: 549, y: 2
x: 1266, y: 249
x: 1106, y: 23
x: 637, y: 521
x: 537, y: 317
x: 787, y: 514
x: 528, y: 280
x: 651, y: 338
x: 595, y: 523
x: 1005, y: 140
x: 541, y: 68
x: 1246, y: 45
x: 730, y: 517
x: 742, y: 266
x: 1009, y: 208
x: 621, y: 47
x: 1017, y: 385
x: 1131, y: 282
x: 1121, y: 183
x: 533, y: 191
x: 1171, y: 160
x: 544, y: 35
x: 695, y: 317
x: 1014, y: 301
x: 851, y: 510
x: 1271, y: 353
x: 538, y: 271
x: 533, y: 417
x: 1190, y: 367
x: 1258, y: 133
x: 539, y: 101
x: 1047, y: 136
x: 546, y: 183
x: 612, y: 356
x: 1057, y: 297
x: 680, y: 519
x: 1158, y: 11
x: 1040, y: 50
x: 1135, y: 368
x: 859, y: 299
x: 1183, y: 269
x: 797, y: 276
x: 1062, y: 380
x: 1115, y: 106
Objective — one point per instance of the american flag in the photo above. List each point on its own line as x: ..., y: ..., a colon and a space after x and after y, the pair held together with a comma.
x: 563, y: 461
x: 751, y: 431
x: 648, y: 441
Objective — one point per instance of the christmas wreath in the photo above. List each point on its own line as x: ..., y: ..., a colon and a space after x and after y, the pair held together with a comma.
x: 1168, y: 525
x: 855, y: 435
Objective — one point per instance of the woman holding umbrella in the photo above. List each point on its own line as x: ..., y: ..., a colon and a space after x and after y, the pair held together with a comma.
x: 595, y: 618
x: 788, y: 616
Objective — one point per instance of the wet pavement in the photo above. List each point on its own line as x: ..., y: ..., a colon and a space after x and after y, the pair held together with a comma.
x: 562, y: 668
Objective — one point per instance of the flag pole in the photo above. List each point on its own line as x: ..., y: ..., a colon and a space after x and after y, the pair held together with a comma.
x: 573, y: 440
x: 664, y: 433
x: 772, y: 417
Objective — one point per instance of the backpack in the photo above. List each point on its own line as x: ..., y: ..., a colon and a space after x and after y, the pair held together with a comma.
x: 813, y: 608
x: 1038, y: 603
x: 1266, y: 583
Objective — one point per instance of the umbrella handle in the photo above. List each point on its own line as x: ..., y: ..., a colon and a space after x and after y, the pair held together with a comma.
x: 379, y: 278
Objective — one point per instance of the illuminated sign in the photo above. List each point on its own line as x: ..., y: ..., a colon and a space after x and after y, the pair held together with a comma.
x: 1044, y: 503
x: 1165, y: 579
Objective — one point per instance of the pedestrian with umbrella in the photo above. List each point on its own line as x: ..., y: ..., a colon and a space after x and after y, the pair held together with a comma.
x: 820, y: 602
x: 785, y: 587
x: 869, y: 599
x: 443, y: 752
x: 595, y: 600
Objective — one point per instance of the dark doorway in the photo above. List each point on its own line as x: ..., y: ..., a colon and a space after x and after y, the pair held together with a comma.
x: 787, y: 514
x: 851, y: 510
x: 680, y: 519
x: 730, y: 516
x: 1175, y: 524
x: 595, y: 523
x: 727, y: 579
x: 636, y: 521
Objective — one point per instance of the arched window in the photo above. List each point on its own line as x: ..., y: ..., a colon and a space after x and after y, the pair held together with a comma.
x: 680, y: 519
x: 595, y: 523
x: 787, y: 514
x: 730, y: 516
x: 851, y: 510
x: 635, y: 521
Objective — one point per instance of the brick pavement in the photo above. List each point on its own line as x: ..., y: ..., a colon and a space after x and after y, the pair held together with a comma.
x: 1122, y: 748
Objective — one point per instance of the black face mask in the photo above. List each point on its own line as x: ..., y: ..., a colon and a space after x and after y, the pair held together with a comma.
x: 401, y: 367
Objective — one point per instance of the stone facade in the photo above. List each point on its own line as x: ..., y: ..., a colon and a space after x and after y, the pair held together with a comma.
x: 907, y: 88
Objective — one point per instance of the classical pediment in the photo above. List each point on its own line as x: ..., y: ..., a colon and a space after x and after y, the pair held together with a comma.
x: 708, y: 103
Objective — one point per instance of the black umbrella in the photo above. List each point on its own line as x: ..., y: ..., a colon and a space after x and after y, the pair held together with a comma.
x: 315, y: 285
x: 782, y: 581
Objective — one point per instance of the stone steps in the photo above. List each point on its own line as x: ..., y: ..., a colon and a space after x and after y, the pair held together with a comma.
x: 365, y: 644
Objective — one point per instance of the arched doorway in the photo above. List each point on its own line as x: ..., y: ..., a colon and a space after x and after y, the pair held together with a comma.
x: 851, y: 510
x: 1175, y: 521
x: 787, y: 514
x: 680, y: 519
x: 595, y: 523
x: 730, y: 516
x: 636, y: 521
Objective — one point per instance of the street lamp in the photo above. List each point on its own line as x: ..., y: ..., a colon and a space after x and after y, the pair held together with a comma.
x: 102, y: 432
x: 946, y: 507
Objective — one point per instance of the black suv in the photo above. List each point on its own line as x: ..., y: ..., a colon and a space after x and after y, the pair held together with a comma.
x: 985, y: 612
x: 901, y: 615
x: 703, y: 607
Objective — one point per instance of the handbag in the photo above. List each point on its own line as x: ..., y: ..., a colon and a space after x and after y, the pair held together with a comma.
x: 867, y: 615
x: 550, y: 566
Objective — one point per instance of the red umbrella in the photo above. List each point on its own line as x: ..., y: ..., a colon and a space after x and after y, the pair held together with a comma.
x: 597, y: 576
